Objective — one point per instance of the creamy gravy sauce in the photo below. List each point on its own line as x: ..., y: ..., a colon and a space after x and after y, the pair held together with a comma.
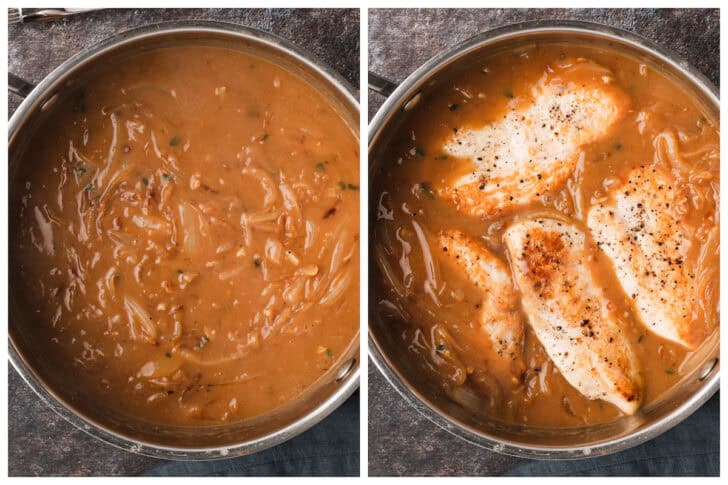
x: 187, y: 237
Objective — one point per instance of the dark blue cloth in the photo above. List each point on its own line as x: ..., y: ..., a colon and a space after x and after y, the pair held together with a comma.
x: 690, y: 449
x: 331, y: 448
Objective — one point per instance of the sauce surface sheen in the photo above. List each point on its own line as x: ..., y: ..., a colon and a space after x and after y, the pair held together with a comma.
x: 430, y: 309
x: 188, y: 237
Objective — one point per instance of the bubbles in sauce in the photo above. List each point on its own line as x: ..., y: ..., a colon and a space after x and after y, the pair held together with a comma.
x: 428, y: 309
x: 187, y: 237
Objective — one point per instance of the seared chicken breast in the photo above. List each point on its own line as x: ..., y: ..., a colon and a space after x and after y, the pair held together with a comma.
x: 535, y: 147
x: 640, y: 228
x: 569, y: 312
x: 498, y: 311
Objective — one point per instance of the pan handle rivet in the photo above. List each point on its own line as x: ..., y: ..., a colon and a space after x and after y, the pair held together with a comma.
x: 708, y: 369
x: 345, y: 369
x: 412, y: 102
x: 48, y: 103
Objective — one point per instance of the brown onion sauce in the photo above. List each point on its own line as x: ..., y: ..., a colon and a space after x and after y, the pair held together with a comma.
x: 446, y: 340
x: 144, y: 221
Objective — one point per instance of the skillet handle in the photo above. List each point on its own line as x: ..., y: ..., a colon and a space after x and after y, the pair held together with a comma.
x: 24, y: 15
x: 19, y: 86
x: 380, y: 85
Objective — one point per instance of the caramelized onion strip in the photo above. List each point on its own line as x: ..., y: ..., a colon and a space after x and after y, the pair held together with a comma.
x: 707, y: 281
x: 431, y: 284
x: 141, y: 325
x: 270, y: 194
x: 667, y: 152
x: 387, y: 271
x: 339, y: 284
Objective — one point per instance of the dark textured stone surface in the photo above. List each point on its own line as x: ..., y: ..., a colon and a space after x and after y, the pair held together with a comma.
x: 331, y: 35
x: 40, y: 442
x: 400, y: 40
x: 401, y: 441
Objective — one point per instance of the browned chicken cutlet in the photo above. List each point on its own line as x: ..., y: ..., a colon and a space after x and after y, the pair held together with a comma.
x: 640, y: 227
x: 498, y: 312
x: 570, y: 313
x: 536, y: 146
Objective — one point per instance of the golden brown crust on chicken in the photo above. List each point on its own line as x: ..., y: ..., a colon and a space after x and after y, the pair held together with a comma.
x: 570, y: 314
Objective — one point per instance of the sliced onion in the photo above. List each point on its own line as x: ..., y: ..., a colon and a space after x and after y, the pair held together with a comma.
x: 667, y: 152
x: 150, y: 223
x: 310, y: 235
x: 141, y: 325
x: 230, y: 273
x: 269, y: 187
x: 293, y: 293
x: 338, y: 286
x: 431, y: 284
x: 191, y: 224
x: 197, y: 359
x: 162, y: 367
x: 273, y: 250
x: 387, y: 271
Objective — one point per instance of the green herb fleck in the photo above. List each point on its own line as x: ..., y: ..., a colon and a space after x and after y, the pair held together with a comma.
x: 352, y: 187
x: 80, y: 171
x: 453, y: 107
x: 89, y: 187
x: 508, y: 94
x: 320, y: 166
x: 670, y: 371
x: 256, y: 262
x: 440, y: 348
x: 145, y: 181
x: 166, y: 177
x: 427, y: 189
x: 617, y: 146
x: 441, y: 157
x: 329, y: 353
x: 342, y: 184
x: 203, y: 341
x: 179, y: 271
x: 419, y: 151
x: 175, y: 141
x: 168, y: 354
